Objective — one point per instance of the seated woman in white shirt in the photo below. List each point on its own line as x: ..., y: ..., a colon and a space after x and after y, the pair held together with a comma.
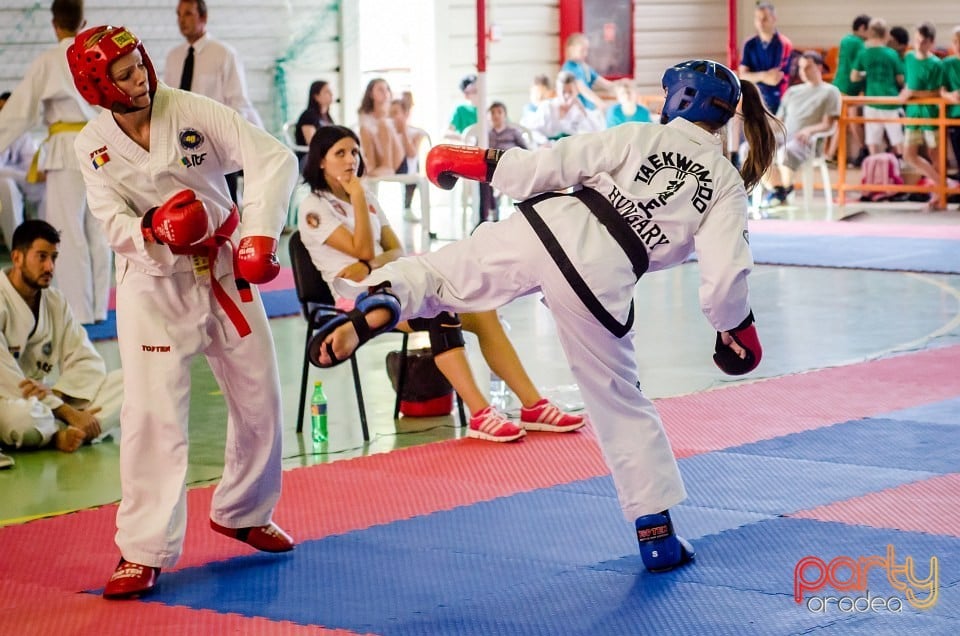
x: 565, y: 115
x: 344, y: 244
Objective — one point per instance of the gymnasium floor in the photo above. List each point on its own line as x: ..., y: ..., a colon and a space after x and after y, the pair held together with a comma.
x: 809, y: 318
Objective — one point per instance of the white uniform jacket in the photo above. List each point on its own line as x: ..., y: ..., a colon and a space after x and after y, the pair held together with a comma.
x: 217, y: 74
x: 194, y: 141
x: 319, y: 217
x: 673, y: 187
x: 46, y: 95
x: 52, y: 345
x: 15, y: 160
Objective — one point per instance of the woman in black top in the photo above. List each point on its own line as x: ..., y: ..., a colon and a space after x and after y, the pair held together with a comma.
x: 316, y: 115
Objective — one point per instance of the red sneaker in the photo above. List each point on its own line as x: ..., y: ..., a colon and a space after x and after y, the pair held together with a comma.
x: 546, y: 416
x: 268, y: 538
x: 130, y: 580
x: 493, y: 426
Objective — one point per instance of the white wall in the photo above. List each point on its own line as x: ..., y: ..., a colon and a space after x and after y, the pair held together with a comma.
x: 260, y: 30
x: 319, y: 39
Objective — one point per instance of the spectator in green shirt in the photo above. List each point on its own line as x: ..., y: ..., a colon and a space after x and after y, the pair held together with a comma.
x: 923, y: 78
x: 850, y: 47
x: 951, y: 92
x: 881, y: 69
x: 465, y: 115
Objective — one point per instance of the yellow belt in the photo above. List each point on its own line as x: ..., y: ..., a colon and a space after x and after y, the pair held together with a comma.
x: 34, y: 174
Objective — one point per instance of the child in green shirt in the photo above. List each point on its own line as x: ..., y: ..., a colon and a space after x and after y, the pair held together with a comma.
x: 924, y: 77
x: 882, y: 71
x: 951, y: 92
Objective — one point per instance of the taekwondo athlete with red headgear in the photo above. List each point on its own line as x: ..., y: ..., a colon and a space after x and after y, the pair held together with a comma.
x: 153, y: 164
x: 647, y: 196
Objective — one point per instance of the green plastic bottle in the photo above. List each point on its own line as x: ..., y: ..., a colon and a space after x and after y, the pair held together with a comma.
x: 318, y: 414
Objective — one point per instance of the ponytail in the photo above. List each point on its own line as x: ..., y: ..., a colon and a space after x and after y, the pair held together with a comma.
x: 758, y: 128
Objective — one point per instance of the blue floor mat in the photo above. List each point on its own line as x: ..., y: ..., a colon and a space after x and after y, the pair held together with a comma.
x: 523, y: 573
x: 880, y: 442
x: 775, y: 485
x: 281, y: 302
x: 563, y: 560
x: 857, y: 252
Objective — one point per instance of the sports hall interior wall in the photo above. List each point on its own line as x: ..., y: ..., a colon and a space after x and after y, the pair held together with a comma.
x: 318, y: 39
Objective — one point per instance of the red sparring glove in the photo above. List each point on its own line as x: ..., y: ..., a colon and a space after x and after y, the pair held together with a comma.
x: 745, y: 335
x: 446, y: 162
x: 180, y: 222
x: 257, y: 259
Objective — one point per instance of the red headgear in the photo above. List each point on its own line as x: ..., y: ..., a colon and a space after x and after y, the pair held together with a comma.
x: 90, y: 57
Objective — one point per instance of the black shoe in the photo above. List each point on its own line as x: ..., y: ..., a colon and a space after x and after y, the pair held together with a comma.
x: 864, y: 153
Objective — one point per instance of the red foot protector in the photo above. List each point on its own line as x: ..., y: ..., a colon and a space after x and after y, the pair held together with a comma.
x: 268, y: 538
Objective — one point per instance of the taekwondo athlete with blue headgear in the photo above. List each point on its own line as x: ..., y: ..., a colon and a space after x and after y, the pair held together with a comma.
x: 646, y: 197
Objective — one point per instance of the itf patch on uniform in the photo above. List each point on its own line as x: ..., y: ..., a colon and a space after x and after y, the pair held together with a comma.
x: 190, y: 139
x: 99, y: 157
x: 313, y: 219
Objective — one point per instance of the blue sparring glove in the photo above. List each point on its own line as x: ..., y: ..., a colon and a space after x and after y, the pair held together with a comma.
x: 379, y: 297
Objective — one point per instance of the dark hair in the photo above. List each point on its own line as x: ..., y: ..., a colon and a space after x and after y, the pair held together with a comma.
x: 498, y: 105
x: 323, y: 140
x: 5, y: 95
x: 861, y: 21
x: 758, y: 128
x: 31, y: 230
x: 201, y: 7
x: 466, y: 81
x: 900, y: 35
x: 927, y: 31
x: 542, y: 80
x: 315, y: 89
x: 766, y: 6
x: 366, y: 104
x: 816, y: 58
x: 67, y: 14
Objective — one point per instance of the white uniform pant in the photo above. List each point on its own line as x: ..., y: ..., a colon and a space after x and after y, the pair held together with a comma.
x: 20, y: 417
x: 505, y: 260
x: 163, y: 322
x: 84, y: 264
x: 11, y: 208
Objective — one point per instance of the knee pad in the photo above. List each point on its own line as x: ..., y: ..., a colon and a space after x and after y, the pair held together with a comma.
x: 445, y: 333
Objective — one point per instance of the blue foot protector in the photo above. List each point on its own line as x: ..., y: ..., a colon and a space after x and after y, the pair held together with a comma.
x: 379, y: 297
x: 661, y: 549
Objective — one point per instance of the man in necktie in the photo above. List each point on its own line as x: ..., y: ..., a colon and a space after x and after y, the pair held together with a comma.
x: 209, y: 67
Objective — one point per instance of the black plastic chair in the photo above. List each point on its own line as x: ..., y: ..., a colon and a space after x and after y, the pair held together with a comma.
x: 318, y: 305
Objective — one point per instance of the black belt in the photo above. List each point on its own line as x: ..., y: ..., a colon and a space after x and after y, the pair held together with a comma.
x: 618, y: 228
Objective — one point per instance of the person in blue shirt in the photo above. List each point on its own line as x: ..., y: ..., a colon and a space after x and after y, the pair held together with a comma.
x: 627, y: 108
x: 766, y: 57
x: 589, y: 81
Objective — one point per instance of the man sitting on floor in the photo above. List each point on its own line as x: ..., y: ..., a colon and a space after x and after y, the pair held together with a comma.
x: 806, y: 109
x: 54, y: 387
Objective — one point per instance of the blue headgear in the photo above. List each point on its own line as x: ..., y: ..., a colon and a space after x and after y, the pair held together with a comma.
x: 700, y: 91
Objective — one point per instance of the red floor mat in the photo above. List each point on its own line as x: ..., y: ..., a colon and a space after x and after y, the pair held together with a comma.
x: 722, y: 418
x: 380, y: 488
x: 49, y: 611
x: 925, y: 506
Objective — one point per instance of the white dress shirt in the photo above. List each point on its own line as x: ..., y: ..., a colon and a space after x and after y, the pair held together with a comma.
x: 217, y: 74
